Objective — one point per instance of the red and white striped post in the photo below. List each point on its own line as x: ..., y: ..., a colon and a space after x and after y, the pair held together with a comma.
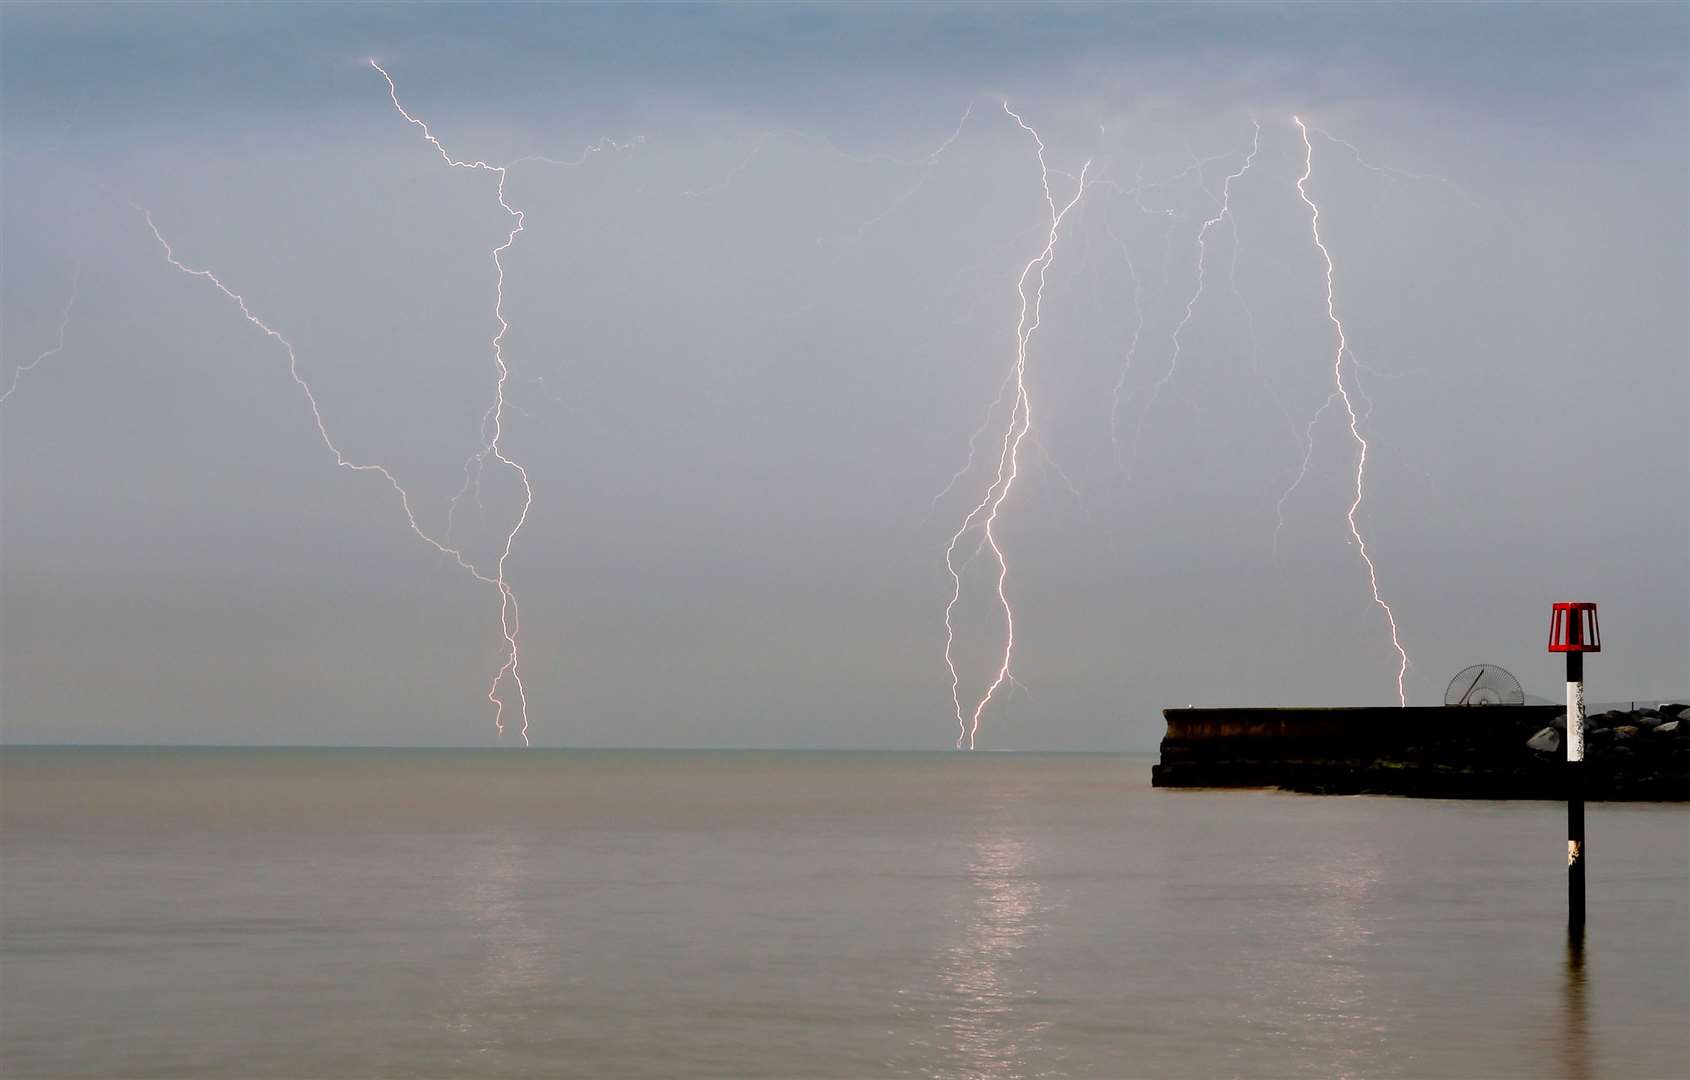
x: 1573, y: 630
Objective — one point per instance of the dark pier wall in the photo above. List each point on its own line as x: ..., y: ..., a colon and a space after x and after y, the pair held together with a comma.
x: 1459, y: 752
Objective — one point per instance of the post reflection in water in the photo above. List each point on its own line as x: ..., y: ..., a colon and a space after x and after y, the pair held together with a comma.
x: 1575, y: 1049
x: 989, y: 1027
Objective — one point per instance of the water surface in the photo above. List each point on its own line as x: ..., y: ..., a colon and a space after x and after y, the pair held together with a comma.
x: 438, y: 913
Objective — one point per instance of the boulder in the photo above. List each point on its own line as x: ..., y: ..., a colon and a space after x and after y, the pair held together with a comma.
x: 1547, y: 741
x: 1684, y: 714
x: 1559, y: 722
x: 1670, y: 727
x: 1625, y: 731
x: 1647, y: 720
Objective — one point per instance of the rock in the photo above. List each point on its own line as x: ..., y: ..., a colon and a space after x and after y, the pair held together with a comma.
x: 1648, y: 720
x: 1547, y: 741
x: 1625, y: 731
x: 1559, y: 722
x: 1669, y: 727
x: 1684, y: 714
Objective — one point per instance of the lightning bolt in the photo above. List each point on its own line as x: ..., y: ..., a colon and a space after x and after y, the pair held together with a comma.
x: 510, y: 619
x: 492, y: 430
x: 1224, y: 213
x: 311, y: 399
x: 1394, y: 173
x: 1131, y: 356
x: 927, y: 165
x: 1302, y: 471
x: 59, y: 347
x: 973, y: 444
x: 984, y: 515
x: 1339, y: 393
x: 474, y: 464
x: 1255, y: 350
x: 586, y: 155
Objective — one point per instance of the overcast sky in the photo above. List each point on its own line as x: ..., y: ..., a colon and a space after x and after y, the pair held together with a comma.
x: 756, y: 314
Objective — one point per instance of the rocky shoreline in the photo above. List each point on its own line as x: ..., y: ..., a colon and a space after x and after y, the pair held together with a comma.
x: 1494, y: 752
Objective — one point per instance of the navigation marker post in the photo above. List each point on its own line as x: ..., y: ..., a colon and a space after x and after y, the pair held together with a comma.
x: 1573, y: 630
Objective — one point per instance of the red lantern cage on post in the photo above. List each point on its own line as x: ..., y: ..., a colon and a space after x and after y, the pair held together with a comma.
x: 1573, y: 629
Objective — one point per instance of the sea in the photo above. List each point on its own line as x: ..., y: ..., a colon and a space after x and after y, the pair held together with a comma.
x: 360, y: 913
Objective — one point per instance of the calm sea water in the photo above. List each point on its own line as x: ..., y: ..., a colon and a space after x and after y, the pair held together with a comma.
x: 363, y: 913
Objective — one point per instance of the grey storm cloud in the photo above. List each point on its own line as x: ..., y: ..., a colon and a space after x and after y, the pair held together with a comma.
x: 755, y: 317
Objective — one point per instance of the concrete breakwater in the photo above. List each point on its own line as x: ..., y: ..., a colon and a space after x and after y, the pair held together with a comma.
x: 1484, y: 752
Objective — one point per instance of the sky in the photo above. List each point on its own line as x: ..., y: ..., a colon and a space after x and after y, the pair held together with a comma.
x: 764, y: 296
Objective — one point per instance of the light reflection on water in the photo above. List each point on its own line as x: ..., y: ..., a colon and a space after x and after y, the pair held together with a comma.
x: 1305, y: 960
x: 987, y: 1027
x: 1333, y: 990
x: 511, y: 953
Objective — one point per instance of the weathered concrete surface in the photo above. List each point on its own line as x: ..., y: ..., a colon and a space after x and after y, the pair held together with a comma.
x: 1461, y: 752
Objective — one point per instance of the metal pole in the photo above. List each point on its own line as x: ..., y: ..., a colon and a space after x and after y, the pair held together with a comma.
x: 1575, y: 793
